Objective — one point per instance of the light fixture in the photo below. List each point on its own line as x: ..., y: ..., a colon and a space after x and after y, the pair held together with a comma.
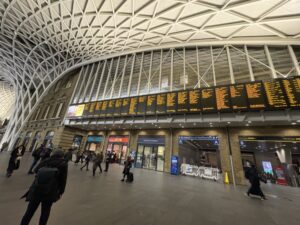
x: 293, y: 123
x: 228, y: 122
x: 249, y: 121
x: 247, y: 124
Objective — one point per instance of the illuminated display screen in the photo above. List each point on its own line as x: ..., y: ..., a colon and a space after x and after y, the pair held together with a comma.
x: 238, y: 96
x: 133, y: 106
x: 222, y: 98
x: 208, y: 100
x: 292, y: 90
x: 110, y: 108
x: 275, y: 95
x: 255, y: 95
x: 75, y: 110
x: 86, y: 109
x: 161, y: 104
x: 98, y: 108
x: 183, y: 101
x: 171, y: 102
x: 151, y: 105
x: 104, y: 108
x: 118, y: 106
x: 195, y: 100
x: 125, y: 106
x: 92, y: 108
x: 142, y: 103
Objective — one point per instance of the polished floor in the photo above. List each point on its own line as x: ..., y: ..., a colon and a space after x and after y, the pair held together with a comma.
x: 154, y: 198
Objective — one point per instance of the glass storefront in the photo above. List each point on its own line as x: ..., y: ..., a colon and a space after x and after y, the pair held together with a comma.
x: 150, y: 152
x: 199, y: 156
x: 118, y: 146
x: 94, y: 142
x: 276, y: 158
x: 35, y: 141
x: 48, y: 139
x: 26, y: 139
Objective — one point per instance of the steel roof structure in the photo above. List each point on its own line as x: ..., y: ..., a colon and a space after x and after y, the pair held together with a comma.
x: 41, y: 40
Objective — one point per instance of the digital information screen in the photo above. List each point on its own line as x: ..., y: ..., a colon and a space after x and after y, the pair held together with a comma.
x: 151, y: 105
x: 275, y: 95
x: 183, y: 101
x: 92, y: 108
x: 133, y: 106
x: 98, y: 108
x: 110, y: 108
x: 195, y: 100
x: 118, y: 106
x: 142, y: 103
x: 222, y: 98
x: 125, y: 106
x: 171, y: 102
x: 238, y: 96
x: 255, y: 95
x: 104, y: 108
x: 292, y: 90
x: 161, y: 104
x: 86, y: 109
x: 208, y: 100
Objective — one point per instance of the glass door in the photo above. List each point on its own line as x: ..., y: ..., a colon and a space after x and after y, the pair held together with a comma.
x: 160, y: 158
x: 153, y: 158
x: 147, y: 157
x: 139, y: 156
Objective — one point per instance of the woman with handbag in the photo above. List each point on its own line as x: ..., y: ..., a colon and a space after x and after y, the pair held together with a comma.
x: 15, y: 158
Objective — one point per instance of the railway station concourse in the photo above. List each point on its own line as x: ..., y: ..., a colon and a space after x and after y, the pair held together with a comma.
x: 194, y: 91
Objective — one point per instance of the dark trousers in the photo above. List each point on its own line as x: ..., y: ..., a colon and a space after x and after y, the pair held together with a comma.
x: 86, y: 165
x: 106, y: 165
x: 96, y: 165
x: 11, y: 166
x: 32, y: 207
x: 35, y: 161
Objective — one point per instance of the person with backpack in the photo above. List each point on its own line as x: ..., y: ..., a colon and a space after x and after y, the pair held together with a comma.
x: 87, y: 161
x: 126, y: 171
x: 47, y: 188
x: 15, y: 159
x: 98, y: 158
x: 36, y: 157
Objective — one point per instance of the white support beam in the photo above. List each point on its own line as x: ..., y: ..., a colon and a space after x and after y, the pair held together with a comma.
x: 213, y: 65
x: 101, y: 79
x: 198, y: 68
x: 140, y: 74
x: 90, y: 75
x: 108, y: 78
x: 94, y: 81
x: 131, y: 73
x: 232, y: 80
x: 294, y: 59
x: 184, y: 72
x: 150, y: 71
x: 171, y: 74
x: 115, y: 77
x: 270, y: 62
x: 249, y: 63
x: 123, y: 75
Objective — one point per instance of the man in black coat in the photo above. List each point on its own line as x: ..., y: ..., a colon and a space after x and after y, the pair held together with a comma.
x: 14, y: 160
x: 37, y: 195
x: 254, y: 179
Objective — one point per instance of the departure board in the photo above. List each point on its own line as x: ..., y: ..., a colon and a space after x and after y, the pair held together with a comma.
x: 125, y: 106
x: 222, y: 98
x: 161, y: 104
x: 142, y: 103
x: 275, y: 95
x: 98, y: 108
x: 151, y: 105
x: 171, y: 102
x: 118, y: 106
x: 92, y: 108
x: 292, y: 90
x: 208, y: 100
x: 183, y: 101
x: 133, y: 106
x: 238, y: 96
x: 110, y: 107
x: 195, y: 100
x: 104, y: 108
x: 86, y: 109
x: 255, y: 95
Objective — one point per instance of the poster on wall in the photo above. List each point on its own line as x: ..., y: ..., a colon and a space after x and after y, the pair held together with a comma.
x: 75, y: 110
x: 267, y: 167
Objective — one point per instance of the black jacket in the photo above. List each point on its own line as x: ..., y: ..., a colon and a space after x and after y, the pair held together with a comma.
x: 62, y: 167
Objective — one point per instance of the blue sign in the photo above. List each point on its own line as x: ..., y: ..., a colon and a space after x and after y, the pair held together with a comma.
x: 151, y: 140
x: 174, y: 165
x: 94, y: 139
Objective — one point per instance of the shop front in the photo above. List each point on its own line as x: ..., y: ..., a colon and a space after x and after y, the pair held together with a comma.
x: 48, y: 140
x: 199, y: 156
x: 150, y: 152
x: 276, y: 158
x: 93, y: 143
x: 118, y: 147
x: 35, y: 140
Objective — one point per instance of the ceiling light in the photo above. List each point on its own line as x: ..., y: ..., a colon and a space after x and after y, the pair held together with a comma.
x: 194, y: 124
x: 249, y: 121
x: 293, y: 123
x: 228, y: 122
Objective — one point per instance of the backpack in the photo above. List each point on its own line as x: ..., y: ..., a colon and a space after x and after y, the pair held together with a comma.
x: 46, y: 180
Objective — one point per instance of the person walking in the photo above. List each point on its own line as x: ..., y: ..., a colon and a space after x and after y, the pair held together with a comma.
x: 47, y: 188
x: 97, y: 162
x: 79, y: 157
x: 45, y: 153
x: 87, y: 161
x: 15, y: 159
x: 107, y: 160
x: 36, y: 157
x: 254, y: 179
x: 127, y: 166
x: 69, y: 154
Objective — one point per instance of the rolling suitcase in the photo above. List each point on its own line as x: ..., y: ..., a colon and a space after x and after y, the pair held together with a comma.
x: 129, y: 177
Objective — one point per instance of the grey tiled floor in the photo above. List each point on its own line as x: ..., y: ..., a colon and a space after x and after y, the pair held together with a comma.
x: 153, y: 198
